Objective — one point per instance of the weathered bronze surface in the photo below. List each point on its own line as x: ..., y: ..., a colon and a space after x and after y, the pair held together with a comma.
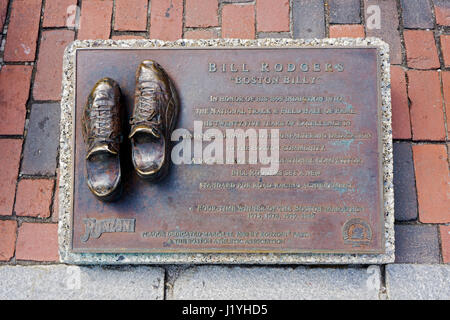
x: 153, y: 119
x: 327, y: 194
x: 102, y: 133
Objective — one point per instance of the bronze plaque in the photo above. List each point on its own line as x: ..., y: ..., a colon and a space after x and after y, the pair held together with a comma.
x: 326, y: 196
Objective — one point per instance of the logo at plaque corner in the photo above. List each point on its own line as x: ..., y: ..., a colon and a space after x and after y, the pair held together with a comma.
x: 357, y: 232
x: 95, y: 228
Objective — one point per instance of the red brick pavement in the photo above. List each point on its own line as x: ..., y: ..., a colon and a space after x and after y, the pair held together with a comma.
x: 432, y: 181
x: 58, y: 12
x: 131, y: 15
x: 47, y: 83
x: 36, y: 33
x: 23, y: 29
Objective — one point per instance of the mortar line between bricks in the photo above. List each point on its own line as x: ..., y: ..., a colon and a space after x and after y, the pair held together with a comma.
x: 409, y: 107
x: 183, y: 19
x: 362, y: 15
x: 444, y: 106
x: 113, y: 19
x: 77, y: 19
x: 437, y: 41
x: 291, y: 23
x: 400, y: 30
x: 219, y: 12
x: 418, y: 222
x: 255, y: 17
x: 4, y: 32
x: 440, y: 246
x: 201, y: 28
x: 433, y: 15
x: 54, y: 192
x: 326, y: 18
x: 149, y: 14
x: 129, y: 33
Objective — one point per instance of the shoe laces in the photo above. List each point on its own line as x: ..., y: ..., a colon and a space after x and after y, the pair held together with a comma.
x: 145, y: 109
x: 102, y: 116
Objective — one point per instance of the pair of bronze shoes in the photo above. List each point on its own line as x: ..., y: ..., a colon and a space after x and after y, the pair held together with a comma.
x: 153, y: 119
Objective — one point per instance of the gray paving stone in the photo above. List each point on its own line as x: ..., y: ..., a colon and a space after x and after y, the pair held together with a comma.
x: 231, y: 283
x: 388, y: 27
x: 42, y: 140
x: 86, y: 283
x: 417, y: 14
x: 416, y: 244
x: 308, y: 18
x: 418, y: 282
x: 344, y: 11
x: 404, y: 183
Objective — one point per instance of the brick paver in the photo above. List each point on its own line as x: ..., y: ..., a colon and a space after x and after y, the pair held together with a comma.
x: 349, y: 31
x: 95, y: 20
x: 47, y: 83
x: 417, y: 14
x: 58, y: 12
x: 309, y: 18
x: 442, y: 11
x: 401, y: 123
x: 404, y: 183
x: 202, y: 13
x: 238, y: 21
x: 37, y: 242
x: 416, y: 244
x: 131, y: 15
x: 166, y: 19
x: 445, y: 46
x: 344, y: 11
x: 433, y: 182
x: 34, y: 197
x: 388, y: 26
x: 445, y: 241
x: 23, y: 30
x: 41, y: 143
x: 14, y: 92
x: 272, y: 15
x: 421, y: 51
x: 427, y: 116
x: 8, y: 231
x: 201, y: 34
x: 9, y: 168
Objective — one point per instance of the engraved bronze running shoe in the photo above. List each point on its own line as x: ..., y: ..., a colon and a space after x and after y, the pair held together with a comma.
x: 102, y: 133
x: 154, y: 117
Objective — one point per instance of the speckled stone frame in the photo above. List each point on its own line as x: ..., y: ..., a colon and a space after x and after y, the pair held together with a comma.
x: 66, y: 160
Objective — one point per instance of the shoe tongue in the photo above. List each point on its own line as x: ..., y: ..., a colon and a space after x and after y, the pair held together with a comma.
x: 142, y: 128
x: 101, y: 147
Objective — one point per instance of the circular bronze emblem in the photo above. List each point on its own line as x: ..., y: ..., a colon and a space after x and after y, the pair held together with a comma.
x: 357, y: 232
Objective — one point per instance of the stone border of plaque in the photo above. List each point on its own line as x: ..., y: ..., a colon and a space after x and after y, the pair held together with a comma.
x: 66, y: 159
